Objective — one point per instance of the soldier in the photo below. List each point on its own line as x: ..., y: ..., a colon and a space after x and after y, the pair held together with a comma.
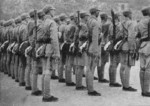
x: 93, y: 50
x: 128, y: 50
x: 51, y: 51
x: 144, y: 37
x: 69, y: 34
x: 30, y: 54
x: 104, y: 54
x: 80, y: 58
x: 15, y: 48
x: 114, y: 36
x: 9, y: 53
x: 61, y: 42
x: 21, y: 38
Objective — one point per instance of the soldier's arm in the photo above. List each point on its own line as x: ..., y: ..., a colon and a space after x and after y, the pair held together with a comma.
x: 110, y: 33
x: 95, y: 34
x: 54, y: 37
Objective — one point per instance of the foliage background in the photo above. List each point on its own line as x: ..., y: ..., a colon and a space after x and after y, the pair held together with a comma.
x: 13, y: 8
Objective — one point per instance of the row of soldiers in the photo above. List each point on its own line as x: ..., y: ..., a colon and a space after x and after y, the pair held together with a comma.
x: 41, y: 42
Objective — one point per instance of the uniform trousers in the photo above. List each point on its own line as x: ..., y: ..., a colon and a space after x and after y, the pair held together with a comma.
x: 145, y: 72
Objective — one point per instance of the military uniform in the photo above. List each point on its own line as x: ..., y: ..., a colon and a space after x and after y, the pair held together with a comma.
x: 93, y: 52
x: 128, y: 51
x: 51, y: 52
x: 114, y: 55
x: 15, y: 48
x: 30, y: 54
x: 144, y: 51
x: 80, y: 58
x: 63, y: 55
x: 104, y: 55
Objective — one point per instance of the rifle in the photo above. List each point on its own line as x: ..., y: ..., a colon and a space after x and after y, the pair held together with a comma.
x: 77, y: 34
x: 114, y: 26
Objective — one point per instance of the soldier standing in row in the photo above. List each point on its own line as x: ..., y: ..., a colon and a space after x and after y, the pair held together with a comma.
x: 80, y: 58
x: 61, y: 28
x: 93, y: 52
x: 51, y: 51
x: 104, y: 54
x: 143, y: 29
x: 115, y: 33
x: 128, y: 50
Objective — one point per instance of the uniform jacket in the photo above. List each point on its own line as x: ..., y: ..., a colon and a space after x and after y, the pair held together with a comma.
x: 94, y: 33
x: 130, y: 44
x: 53, y: 48
x: 142, y: 29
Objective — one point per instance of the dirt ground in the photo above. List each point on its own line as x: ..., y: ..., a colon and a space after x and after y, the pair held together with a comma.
x: 13, y: 95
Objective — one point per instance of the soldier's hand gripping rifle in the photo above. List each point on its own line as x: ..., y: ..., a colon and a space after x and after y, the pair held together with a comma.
x: 110, y: 45
x: 74, y: 46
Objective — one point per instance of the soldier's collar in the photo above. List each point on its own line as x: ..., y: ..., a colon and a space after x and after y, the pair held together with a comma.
x: 92, y: 16
x: 48, y: 17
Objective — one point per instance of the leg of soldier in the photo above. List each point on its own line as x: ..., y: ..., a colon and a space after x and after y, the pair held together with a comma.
x: 79, y: 75
x: 68, y: 71
x: 146, y: 84
x: 28, y: 74
x: 2, y: 62
x: 16, y: 68
x: 34, y: 82
x: 12, y: 65
x: 5, y: 67
x: 47, y: 66
x: 122, y: 72
x: 61, y: 70
x: 142, y: 71
x: 100, y: 69
x: 90, y: 68
x: 54, y: 71
x: 114, y: 61
x: 22, y: 71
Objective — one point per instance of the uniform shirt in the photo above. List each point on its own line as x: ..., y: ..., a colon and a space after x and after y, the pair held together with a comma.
x: 119, y: 32
x: 130, y: 26
x: 69, y: 34
x: 105, y: 32
x: 61, y: 29
x: 53, y: 48
x: 23, y: 31
x: 94, y: 33
x: 142, y: 29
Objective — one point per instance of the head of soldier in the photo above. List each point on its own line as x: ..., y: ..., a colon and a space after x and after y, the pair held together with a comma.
x: 84, y: 16
x: 57, y: 20
x: 103, y: 17
x: 127, y: 14
x: 146, y: 11
x: 24, y: 17
x: 117, y: 16
x: 73, y: 18
x: 95, y: 11
x: 49, y: 10
x: 32, y: 14
x: 41, y: 15
x: 63, y: 17
x: 18, y: 20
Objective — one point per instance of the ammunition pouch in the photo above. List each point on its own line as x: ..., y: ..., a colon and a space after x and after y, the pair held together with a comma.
x: 40, y: 52
x: 23, y: 47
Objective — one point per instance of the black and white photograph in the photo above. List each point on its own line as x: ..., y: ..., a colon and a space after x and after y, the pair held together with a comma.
x: 74, y: 52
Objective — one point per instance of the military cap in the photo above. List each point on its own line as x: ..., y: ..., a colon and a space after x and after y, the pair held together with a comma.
x: 32, y: 13
x: 127, y: 13
x: 48, y: 8
x: 18, y: 20
x: 24, y: 16
x: 103, y: 16
x: 62, y: 16
x: 117, y: 15
x: 73, y: 16
x: 94, y: 9
x: 83, y: 14
x: 146, y: 11
x: 41, y: 13
x: 56, y: 18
